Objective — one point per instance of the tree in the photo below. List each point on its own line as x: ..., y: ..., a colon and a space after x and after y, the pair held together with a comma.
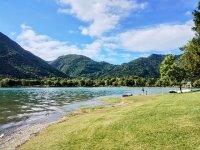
x: 88, y: 83
x: 99, y: 83
x: 115, y: 83
x: 63, y: 82
x: 24, y: 82
x: 171, y: 70
x: 191, y: 55
x: 151, y: 81
x: 196, y: 20
x: 70, y: 83
x: 107, y: 82
x: 126, y: 82
x: 4, y: 82
x: 57, y: 83
x: 82, y: 82
x: 159, y: 83
x: 48, y: 82
x: 196, y: 83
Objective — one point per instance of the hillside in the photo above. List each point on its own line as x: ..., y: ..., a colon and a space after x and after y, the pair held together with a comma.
x: 143, y: 67
x: 80, y: 66
x: 19, y: 63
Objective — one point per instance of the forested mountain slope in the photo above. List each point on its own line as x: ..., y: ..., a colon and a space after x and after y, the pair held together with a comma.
x: 147, y: 67
x: 81, y: 66
x: 19, y: 63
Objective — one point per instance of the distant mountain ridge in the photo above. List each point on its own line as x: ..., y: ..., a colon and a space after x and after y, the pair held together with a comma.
x: 18, y: 63
x: 147, y: 67
x: 81, y: 66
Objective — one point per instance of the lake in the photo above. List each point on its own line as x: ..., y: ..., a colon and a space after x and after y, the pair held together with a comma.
x: 23, y: 106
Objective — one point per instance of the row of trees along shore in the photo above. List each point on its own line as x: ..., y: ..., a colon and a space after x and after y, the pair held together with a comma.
x: 131, y: 81
x: 173, y: 71
x: 83, y: 82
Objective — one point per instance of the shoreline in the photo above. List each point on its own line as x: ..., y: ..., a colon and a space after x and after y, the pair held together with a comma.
x: 23, y: 134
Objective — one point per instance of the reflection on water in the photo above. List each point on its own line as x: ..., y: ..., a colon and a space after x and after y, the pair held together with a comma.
x: 19, y: 106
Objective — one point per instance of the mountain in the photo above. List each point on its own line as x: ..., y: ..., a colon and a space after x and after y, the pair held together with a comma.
x: 19, y: 63
x: 81, y: 66
x: 147, y: 67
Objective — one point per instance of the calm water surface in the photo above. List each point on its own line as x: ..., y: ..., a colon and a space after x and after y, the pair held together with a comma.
x: 22, y: 106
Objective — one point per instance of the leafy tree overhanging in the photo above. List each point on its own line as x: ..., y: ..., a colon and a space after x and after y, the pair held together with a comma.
x: 191, y: 55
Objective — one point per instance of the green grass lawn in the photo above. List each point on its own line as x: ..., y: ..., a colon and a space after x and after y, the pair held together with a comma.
x: 111, y: 100
x: 169, y: 121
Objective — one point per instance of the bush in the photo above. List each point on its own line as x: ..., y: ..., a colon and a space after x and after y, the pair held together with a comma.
x: 196, y: 83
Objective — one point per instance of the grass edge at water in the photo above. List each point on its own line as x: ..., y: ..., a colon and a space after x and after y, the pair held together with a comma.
x: 168, y: 121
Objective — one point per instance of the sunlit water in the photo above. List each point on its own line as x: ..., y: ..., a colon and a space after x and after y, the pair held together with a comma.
x: 22, y: 106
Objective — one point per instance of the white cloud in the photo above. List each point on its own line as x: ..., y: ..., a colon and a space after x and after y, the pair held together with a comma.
x: 92, y: 50
x: 159, y: 38
x: 188, y: 13
x: 190, y: 23
x: 49, y: 49
x: 102, y: 16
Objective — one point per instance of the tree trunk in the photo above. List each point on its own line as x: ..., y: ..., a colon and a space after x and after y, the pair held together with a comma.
x: 181, y: 88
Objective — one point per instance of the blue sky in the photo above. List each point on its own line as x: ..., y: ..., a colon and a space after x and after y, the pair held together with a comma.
x: 115, y: 31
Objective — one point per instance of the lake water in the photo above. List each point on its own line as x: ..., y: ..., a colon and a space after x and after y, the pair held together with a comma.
x: 23, y: 106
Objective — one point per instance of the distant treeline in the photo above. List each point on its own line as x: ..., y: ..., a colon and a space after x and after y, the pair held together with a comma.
x: 84, y: 82
x: 131, y: 81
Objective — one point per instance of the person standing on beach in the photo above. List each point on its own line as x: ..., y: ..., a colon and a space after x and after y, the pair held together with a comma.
x: 143, y: 91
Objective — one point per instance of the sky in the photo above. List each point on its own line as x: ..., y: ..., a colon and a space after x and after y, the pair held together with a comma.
x: 115, y: 31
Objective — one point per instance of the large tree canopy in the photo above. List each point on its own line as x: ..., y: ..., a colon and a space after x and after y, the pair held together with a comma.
x: 196, y: 14
x: 191, y: 55
x: 171, y: 70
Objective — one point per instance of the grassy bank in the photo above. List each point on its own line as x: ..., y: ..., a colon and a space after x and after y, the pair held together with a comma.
x: 170, y: 121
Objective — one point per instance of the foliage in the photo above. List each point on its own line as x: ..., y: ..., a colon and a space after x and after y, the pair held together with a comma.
x: 77, y: 66
x: 83, y: 82
x: 18, y: 63
x: 196, y: 20
x: 143, y: 67
x: 172, y: 71
x: 196, y: 83
x: 191, y: 55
